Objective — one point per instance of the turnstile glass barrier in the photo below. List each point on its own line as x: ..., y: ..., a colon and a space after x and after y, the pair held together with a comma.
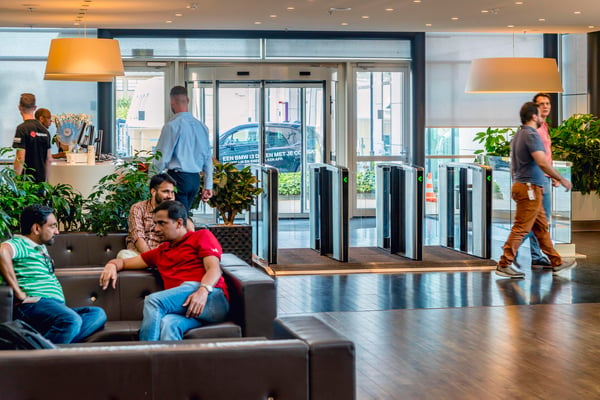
x: 399, y: 213
x: 328, y: 218
x: 465, y: 200
x: 264, y: 216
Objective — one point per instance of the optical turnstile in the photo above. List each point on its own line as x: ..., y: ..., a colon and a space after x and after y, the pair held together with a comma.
x: 465, y: 213
x: 264, y: 217
x: 399, y: 213
x: 328, y: 218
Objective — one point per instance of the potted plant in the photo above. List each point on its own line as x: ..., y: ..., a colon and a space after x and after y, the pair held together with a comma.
x: 234, y: 191
x: 20, y: 191
x: 107, y: 208
x: 496, y: 142
x: 577, y: 139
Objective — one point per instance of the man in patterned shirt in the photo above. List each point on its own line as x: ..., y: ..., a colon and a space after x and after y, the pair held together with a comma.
x: 39, y: 299
x: 141, y: 235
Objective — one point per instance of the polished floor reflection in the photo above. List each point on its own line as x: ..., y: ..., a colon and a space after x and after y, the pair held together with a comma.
x: 367, y: 292
x: 412, y: 342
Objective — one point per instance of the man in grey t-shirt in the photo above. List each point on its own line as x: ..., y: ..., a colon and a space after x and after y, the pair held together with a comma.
x: 529, y: 163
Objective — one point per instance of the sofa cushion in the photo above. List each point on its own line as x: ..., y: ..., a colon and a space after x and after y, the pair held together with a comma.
x: 82, y: 289
x: 221, y: 330
x: 117, y: 331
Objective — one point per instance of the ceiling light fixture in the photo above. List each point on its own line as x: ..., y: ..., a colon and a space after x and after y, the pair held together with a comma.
x: 84, y: 59
x: 514, y: 75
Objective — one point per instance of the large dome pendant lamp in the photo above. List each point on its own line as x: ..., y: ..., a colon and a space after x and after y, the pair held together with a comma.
x: 514, y: 75
x: 84, y: 59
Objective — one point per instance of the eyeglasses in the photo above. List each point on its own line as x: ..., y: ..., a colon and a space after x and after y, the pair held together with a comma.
x: 49, y: 262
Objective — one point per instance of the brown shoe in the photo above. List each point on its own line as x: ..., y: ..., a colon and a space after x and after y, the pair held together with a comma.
x: 567, y: 264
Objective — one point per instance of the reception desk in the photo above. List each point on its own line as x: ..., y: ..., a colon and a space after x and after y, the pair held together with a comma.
x: 82, y: 177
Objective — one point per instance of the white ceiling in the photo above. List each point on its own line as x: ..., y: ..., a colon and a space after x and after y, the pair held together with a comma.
x: 533, y: 16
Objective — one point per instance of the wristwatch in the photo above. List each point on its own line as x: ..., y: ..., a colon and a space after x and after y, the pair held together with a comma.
x: 208, y: 288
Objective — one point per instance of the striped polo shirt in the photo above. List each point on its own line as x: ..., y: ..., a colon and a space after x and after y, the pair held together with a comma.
x: 33, y: 269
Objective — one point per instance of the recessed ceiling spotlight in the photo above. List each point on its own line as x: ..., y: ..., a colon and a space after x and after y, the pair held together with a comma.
x: 192, y: 6
x: 591, y: 26
x: 344, y: 24
x: 179, y: 15
x: 257, y: 22
x: 416, y: 1
x: 519, y: 3
x: 542, y: 19
x: 365, y: 17
x: 291, y: 8
x: 485, y: 11
x: 76, y: 23
x: 273, y: 16
x: 576, y: 12
x: 510, y: 26
x: 454, y: 18
x: 428, y: 25
x: 168, y: 21
x: 389, y: 9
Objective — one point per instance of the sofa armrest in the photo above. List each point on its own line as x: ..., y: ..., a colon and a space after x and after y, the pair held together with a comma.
x: 253, y: 303
x: 6, y: 303
x: 331, y: 356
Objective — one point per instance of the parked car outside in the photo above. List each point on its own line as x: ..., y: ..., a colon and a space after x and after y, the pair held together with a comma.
x: 283, y: 145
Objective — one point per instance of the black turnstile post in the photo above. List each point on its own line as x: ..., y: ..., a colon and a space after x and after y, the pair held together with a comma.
x: 265, y: 215
x: 329, y: 211
x: 399, y: 213
x: 466, y: 208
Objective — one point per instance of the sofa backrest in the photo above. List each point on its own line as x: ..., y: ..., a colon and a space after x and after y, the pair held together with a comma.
x: 81, y: 249
x: 253, y: 370
x: 125, y: 303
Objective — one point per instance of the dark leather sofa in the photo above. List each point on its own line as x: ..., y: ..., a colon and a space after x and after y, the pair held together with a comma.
x: 310, y: 361
x: 79, y: 258
x: 296, y: 357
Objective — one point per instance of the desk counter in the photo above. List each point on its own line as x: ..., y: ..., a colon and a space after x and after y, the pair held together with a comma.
x: 82, y: 177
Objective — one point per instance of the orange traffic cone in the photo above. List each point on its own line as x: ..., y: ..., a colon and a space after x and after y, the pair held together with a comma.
x: 429, y: 194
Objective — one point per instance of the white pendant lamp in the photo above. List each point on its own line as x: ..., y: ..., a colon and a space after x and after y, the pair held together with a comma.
x: 514, y: 75
x: 84, y: 59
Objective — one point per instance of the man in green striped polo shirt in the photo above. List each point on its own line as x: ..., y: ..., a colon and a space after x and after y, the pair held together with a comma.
x: 39, y: 300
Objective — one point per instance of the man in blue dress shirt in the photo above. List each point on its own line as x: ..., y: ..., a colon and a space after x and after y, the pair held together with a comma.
x: 185, y: 147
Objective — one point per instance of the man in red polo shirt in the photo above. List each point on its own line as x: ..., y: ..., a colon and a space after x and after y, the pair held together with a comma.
x: 188, y: 262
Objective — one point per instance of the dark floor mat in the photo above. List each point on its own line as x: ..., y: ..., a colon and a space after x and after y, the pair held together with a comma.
x: 373, y: 259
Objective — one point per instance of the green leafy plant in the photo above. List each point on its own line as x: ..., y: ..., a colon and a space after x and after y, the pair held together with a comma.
x: 496, y: 141
x: 107, y: 208
x: 18, y: 192
x: 289, y: 184
x: 234, y: 191
x: 365, y: 181
x: 577, y: 139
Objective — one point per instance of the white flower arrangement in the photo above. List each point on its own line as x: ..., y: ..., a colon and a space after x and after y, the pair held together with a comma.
x: 68, y: 125
x: 76, y: 119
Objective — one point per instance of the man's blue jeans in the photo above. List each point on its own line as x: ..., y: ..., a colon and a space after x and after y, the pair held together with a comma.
x: 534, y: 246
x: 59, y: 323
x: 164, y: 314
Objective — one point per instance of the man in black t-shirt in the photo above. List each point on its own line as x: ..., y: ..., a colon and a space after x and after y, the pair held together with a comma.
x: 32, y: 141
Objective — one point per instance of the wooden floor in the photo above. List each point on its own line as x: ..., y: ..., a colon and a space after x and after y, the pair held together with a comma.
x: 464, y: 335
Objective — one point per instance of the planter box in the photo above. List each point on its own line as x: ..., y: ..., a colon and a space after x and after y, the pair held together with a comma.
x: 585, y: 207
x: 235, y: 239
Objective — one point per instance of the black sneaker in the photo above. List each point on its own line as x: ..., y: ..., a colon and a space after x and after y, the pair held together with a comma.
x: 541, y: 263
x: 509, y: 272
x: 566, y: 265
